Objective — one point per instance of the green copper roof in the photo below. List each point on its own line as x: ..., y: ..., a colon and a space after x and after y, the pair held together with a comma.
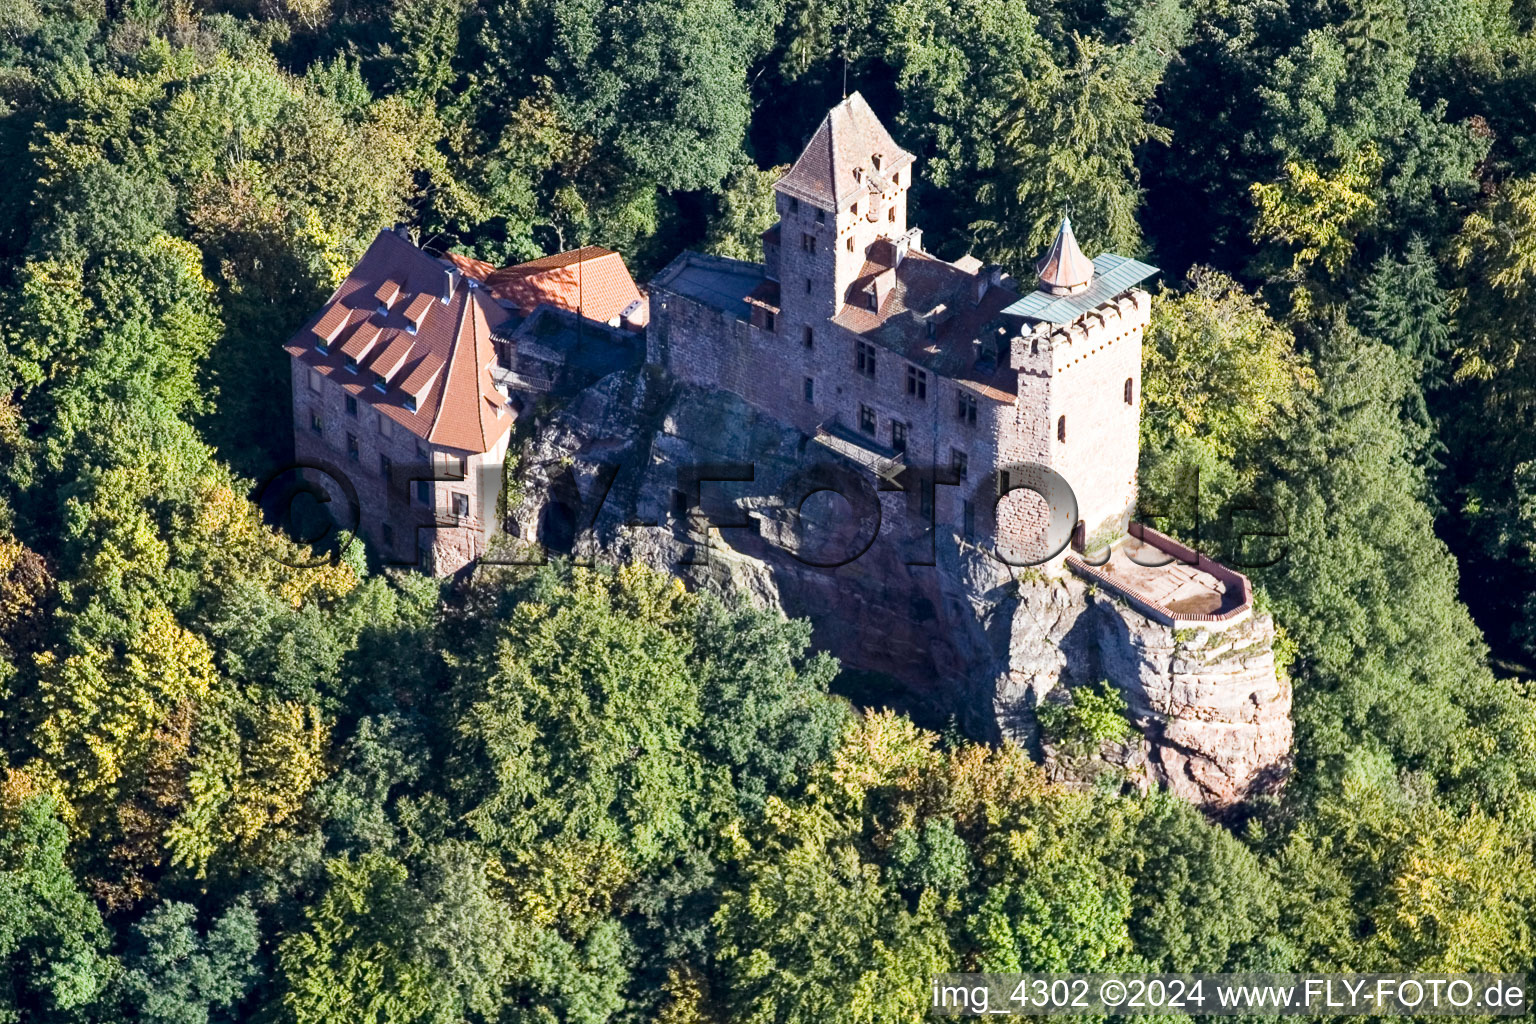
x: 1111, y: 275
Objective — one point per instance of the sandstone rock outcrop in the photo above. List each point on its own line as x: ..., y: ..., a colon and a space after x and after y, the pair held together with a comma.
x: 613, y: 476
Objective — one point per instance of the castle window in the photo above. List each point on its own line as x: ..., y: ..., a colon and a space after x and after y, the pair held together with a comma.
x: 850, y: 243
x: 917, y: 383
x: 967, y: 409
x: 925, y: 503
x: 352, y: 405
x: 385, y: 468
x: 1061, y: 430
x: 854, y: 210
x: 461, y: 505
x: 968, y: 520
x: 794, y: 205
x: 890, y: 215
x: 389, y: 537
x: 864, y: 358
x: 957, y: 462
x: 875, y: 161
x: 810, y: 390
x: 866, y: 419
x: 352, y: 451
x: 315, y: 423
x: 809, y: 336
x: 1034, y: 349
x: 1130, y: 392
x: 807, y: 286
x: 383, y: 425
x: 896, y: 179
x: 423, y: 492
x: 767, y: 320
x: 1002, y: 481
x: 898, y: 436
x: 314, y: 381
x: 808, y: 241
x: 821, y: 215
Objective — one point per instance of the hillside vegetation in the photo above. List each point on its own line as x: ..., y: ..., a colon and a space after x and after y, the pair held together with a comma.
x: 234, y: 790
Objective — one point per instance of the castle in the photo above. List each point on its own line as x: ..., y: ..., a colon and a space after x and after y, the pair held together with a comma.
x: 853, y: 333
x: 997, y: 416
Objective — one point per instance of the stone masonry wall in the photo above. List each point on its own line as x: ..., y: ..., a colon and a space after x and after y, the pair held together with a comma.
x: 393, y: 503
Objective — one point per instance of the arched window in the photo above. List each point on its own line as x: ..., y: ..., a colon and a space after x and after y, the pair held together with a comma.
x: 1130, y: 393
x: 1061, y: 430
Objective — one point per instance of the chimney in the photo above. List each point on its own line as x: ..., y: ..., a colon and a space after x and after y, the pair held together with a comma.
x: 450, y: 282
x: 901, y: 249
x: 987, y: 278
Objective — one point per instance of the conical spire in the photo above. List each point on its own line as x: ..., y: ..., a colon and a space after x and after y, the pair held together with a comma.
x: 1064, y: 270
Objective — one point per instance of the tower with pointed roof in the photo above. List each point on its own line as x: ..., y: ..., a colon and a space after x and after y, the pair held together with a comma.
x: 847, y: 190
x: 893, y: 357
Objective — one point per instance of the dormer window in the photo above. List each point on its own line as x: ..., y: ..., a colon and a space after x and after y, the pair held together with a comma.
x: 351, y: 365
x: 383, y: 310
x: 379, y: 383
x: 322, y: 346
x: 416, y: 312
x: 410, y: 403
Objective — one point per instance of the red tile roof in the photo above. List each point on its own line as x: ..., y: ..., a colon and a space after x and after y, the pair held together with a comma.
x: 591, y: 281
x: 448, y: 358
x: 469, y: 266
x: 839, y: 161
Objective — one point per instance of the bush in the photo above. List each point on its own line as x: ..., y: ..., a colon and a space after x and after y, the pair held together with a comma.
x: 1091, y: 715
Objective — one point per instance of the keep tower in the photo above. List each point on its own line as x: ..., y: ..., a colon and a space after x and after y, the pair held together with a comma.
x: 847, y: 190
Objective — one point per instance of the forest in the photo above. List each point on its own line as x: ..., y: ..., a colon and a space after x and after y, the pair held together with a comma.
x: 231, y: 790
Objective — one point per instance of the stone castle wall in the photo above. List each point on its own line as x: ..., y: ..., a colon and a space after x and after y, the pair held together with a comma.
x: 1091, y: 362
x: 393, y: 501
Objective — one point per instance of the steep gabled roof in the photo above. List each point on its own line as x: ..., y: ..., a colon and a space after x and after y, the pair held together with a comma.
x: 471, y: 414
x: 443, y: 367
x: 591, y: 281
x: 840, y: 159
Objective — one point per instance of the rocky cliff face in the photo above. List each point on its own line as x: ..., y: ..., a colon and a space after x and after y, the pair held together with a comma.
x: 615, y: 475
